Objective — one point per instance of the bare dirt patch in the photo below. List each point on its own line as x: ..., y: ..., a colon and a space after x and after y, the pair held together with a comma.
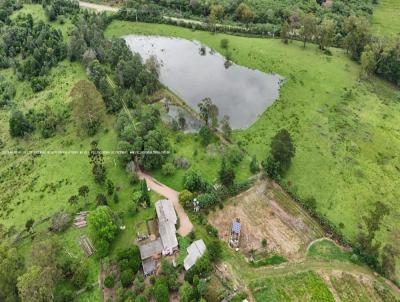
x: 266, y: 212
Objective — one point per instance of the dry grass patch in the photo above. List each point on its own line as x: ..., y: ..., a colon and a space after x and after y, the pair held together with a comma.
x: 266, y: 212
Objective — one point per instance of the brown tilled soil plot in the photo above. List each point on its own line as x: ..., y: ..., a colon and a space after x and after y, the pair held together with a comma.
x: 267, y: 212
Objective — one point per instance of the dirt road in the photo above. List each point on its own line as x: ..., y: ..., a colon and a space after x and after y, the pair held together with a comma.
x: 185, y: 225
x: 97, y: 7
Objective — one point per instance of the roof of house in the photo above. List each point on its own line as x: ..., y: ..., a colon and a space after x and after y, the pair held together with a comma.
x: 195, y: 251
x: 149, y: 266
x: 150, y: 248
x: 168, y: 234
x: 236, y: 227
x: 165, y: 211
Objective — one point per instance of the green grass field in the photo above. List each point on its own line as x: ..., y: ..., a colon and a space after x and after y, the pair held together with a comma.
x: 206, y: 160
x: 386, y: 19
x: 293, y: 287
x: 345, y: 130
x: 328, y: 250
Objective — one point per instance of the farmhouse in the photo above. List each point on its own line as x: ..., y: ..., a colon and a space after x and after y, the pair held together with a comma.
x: 166, y: 244
x: 195, y: 251
x: 166, y: 226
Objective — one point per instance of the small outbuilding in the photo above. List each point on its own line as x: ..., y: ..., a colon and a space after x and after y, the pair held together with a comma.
x: 149, y: 267
x: 151, y: 249
x: 195, y: 251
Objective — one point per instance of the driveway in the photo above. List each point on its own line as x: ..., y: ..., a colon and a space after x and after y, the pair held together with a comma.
x: 97, y: 7
x: 185, y: 226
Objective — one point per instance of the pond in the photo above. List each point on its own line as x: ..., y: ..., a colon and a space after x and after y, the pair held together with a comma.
x: 194, y: 72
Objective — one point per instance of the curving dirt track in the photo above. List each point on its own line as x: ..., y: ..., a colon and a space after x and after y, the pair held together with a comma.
x: 185, y: 225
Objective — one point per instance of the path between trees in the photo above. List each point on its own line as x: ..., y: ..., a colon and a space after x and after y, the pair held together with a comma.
x: 98, y: 7
x: 185, y: 226
x: 106, y: 8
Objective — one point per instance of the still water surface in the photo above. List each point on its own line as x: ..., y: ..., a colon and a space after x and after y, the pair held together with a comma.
x: 194, y: 72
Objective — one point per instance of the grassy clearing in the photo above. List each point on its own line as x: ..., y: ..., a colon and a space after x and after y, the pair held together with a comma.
x: 328, y: 250
x: 273, y: 260
x: 386, y: 19
x: 349, y: 289
x: 206, y: 160
x: 127, y: 237
x: 294, y: 287
x: 345, y: 131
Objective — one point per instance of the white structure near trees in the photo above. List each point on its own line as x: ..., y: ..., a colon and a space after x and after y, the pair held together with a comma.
x: 166, y: 225
x: 166, y: 244
x: 195, y: 251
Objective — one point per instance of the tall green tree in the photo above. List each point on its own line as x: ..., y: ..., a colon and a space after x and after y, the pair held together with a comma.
x: 161, y: 290
x: 244, y: 13
x: 73, y: 200
x: 282, y: 152
x: 36, y: 285
x: 19, y: 124
x: 83, y: 191
x: 186, y: 292
x: 144, y: 193
x: 308, y: 28
x: 97, y: 160
x: 208, y: 112
x: 326, y: 33
x: 11, y: 267
x: 103, y: 229
x: 285, y: 32
x: 155, y: 147
x: 88, y: 106
x: 226, y: 127
x: 358, y: 36
x: 226, y: 174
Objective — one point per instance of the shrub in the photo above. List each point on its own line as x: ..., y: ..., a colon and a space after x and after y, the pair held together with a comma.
x: 185, y: 198
x: 233, y: 154
x: 109, y: 281
x: 116, y: 198
x: 194, y: 182
x: 224, y: 43
x: 134, y: 179
x: 205, y: 135
x: 126, y: 278
x: 254, y: 166
x: 39, y: 83
x: 60, y: 221
x: 129, y: 258
x: 212, y: 231
x: 19, y: 124
x: 264, y: 243
x: 168, y: 169
x: 214, y: 250
x: 207, y: 200
x: 182, y: 163
x: 161, y: 290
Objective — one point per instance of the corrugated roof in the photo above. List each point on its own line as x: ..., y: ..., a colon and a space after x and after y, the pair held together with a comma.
x: 165, y: 211
x: 236, y: 227
x: 149, y: 249
x: 149, y: 266
x: 195, y: 251
x: 168, y: 234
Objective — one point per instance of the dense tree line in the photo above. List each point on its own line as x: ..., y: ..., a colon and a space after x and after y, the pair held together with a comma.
x: 255, y: 11
x: 6, y: 9
x: 55, y: 8
x: 32, y: 48
x: 37, y: 280
x: 381, y: 57
x: 7, y: 92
